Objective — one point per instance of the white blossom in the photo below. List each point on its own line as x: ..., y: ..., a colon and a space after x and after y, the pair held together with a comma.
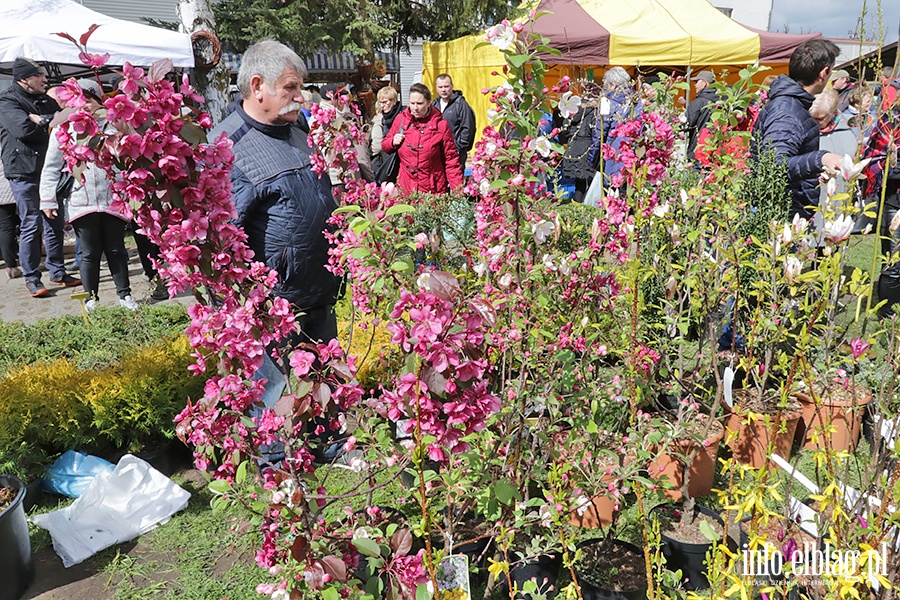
x: 838, y: 230
x: 541, y: 145
x: 501, y: 35
x: 792, y: 268
x: 542, y: 231
x: 799, y: 225
x: 568, y: 105
x: 851, y: 171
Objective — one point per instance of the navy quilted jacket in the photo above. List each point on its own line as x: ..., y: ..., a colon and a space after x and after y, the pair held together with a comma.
x: 785, y: 124
x: 283, y: 207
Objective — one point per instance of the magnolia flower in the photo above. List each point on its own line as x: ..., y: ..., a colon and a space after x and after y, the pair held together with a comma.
x: 858, y: 347
x: 670, y: 288
x: 787, y: 235
x: 542, y: 231
x: 792, y: 268
x: 660, y: 210
x: 541, y: 145
x: 838, y: 230
x: 684, y: 196
x: 568, y: 105
x: 851, y: 171
x: 799, y: 224
x: 831, y: 187
x: 501, y: 35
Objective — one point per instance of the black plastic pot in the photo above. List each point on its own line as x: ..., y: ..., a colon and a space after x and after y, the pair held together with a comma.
x: 689, y: 558
x: 34, y: 493
x: 591, y: 592
x: 170, y: 457
x: 543, y: 569
x: 16, y: 567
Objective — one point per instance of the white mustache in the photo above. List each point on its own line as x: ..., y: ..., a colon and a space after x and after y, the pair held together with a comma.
x: 292, y: 107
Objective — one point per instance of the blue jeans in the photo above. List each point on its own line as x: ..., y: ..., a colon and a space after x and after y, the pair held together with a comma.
x: 28, y: 203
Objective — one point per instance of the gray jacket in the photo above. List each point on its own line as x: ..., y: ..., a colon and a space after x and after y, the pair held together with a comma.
x: 90, y: 195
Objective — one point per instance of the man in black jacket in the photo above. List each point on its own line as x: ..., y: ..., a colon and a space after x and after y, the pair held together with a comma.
x: 458, y: 114
x: 699, y: 111
x: 786, y: 125
x: 25, y: 113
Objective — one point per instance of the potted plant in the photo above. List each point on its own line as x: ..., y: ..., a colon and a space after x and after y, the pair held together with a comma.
x: 833, y: 413
x: 16, y: 567
x: 611, y: 569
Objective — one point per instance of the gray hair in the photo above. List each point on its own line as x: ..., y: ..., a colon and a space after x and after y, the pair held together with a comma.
x: 616, y: 76
x: 268, y: 59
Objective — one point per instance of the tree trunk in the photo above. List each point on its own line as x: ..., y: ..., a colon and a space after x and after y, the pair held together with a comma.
x: 212, y: 84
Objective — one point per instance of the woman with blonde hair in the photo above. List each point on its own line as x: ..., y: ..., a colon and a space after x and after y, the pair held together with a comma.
x: 386, y: 166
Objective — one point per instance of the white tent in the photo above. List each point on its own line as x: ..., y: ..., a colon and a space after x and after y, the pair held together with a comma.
x: 28, y: 28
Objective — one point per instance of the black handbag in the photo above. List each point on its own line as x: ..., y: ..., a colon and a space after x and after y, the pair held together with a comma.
x: 64, y: 186
x: 388, y: 168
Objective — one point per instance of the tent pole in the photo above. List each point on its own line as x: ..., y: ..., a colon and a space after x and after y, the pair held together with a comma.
x: 687, y: 101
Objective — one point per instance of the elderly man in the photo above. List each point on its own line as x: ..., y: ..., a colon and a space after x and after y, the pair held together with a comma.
x: 281, y: 203
x: 786, y: 126
x: 25, y: 113
x: 458, y: 114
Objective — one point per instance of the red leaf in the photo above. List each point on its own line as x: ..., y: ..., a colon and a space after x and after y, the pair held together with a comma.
x: 67, y: 36
x: 284, y: 406
x: 436, y: 382
x: 485, y: 309
x: 322, y: 394
x: 335, y: 567
x: 444, y: 285
x: 87, y: 34
x: 159, y: 70
x: 299, y: 549
x: 401, y: 541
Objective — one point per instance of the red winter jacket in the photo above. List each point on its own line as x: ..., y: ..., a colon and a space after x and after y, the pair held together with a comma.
x: 428, y: 157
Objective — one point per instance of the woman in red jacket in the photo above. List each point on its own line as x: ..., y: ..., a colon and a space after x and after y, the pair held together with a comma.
x: 428, y: 158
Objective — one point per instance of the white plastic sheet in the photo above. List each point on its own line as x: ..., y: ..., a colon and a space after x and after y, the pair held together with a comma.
x: 118, y: 506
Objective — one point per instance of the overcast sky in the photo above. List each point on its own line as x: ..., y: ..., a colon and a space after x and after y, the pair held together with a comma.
x: 834, y: 18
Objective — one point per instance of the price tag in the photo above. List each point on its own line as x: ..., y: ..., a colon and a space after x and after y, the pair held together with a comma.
x: 728, y: 381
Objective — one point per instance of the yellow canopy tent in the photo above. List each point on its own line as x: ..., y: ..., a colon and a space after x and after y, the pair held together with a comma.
x: 600, y: 33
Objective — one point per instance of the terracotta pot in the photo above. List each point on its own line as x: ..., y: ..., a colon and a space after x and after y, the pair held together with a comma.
x: 599, y: 512
x: 703, y: 467
x: 842, y: 415
x: 750, y: 447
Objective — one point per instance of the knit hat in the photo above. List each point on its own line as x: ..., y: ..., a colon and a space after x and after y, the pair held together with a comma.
x: 23, y: 68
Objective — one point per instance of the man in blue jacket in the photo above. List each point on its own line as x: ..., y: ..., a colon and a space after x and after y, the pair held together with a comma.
x: 786, y: 125
x: 281, y: 203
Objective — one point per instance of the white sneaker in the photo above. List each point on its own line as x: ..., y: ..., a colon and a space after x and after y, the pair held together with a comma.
x: 90, y: 305
x: 128, y: 302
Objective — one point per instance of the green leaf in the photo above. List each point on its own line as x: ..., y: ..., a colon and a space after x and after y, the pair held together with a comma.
x: 219, y: 486
x: 517, y: 60
x: 708, y: 532
x: 241, y: 473
x: 422, y: 592
x: 505, y: 492
x: 399, y: 209
x: 367, y: 547
x: 547, y: 50
x: 330, y: 594
x: 350, y: 208
x: 402, y: 265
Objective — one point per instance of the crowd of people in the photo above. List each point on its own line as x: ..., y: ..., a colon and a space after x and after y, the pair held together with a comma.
x: 811, y: 117
x: 39, y: 197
